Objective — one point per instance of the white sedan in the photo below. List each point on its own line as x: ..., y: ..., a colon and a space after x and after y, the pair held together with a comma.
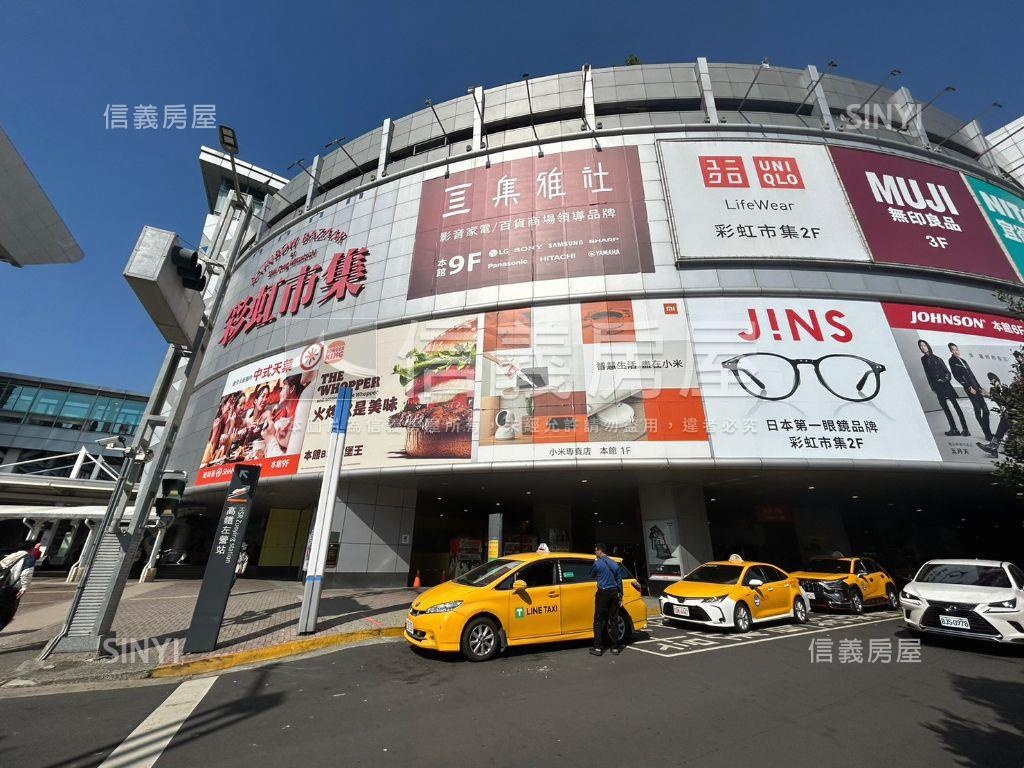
x: 981, y: 599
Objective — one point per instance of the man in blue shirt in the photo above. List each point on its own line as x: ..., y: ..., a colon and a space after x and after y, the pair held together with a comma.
x: 607, y: 600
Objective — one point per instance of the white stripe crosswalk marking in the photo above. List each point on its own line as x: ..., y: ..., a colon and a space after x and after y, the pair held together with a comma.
x: 146, y: 743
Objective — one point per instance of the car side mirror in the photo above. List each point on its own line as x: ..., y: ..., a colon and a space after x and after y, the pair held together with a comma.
x: 755, y: 583
x: 518, y: 585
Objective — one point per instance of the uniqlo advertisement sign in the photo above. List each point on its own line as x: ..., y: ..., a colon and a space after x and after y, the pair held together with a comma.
x: 563, y: 215
x: 804, y: 379
x: 748, y: 199
x: 919, y: 214
x: 957, y: 360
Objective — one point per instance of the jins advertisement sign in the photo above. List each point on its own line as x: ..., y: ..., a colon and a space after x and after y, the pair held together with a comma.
x: 563, y: 215
x: 807, y: 379
x: 919, y: 214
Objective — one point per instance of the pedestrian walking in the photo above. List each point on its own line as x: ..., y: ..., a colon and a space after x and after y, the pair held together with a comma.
x: 608, y: 575
x: 242, y: 564
x: 16, y: 573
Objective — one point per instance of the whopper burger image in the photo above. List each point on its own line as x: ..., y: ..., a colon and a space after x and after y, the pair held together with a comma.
x: 439, y: 381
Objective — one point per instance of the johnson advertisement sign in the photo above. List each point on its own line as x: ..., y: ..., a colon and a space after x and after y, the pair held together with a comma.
x: 563, y: 215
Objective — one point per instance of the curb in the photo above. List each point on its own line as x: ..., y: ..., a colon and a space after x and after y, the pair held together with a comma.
x: 278, y: 651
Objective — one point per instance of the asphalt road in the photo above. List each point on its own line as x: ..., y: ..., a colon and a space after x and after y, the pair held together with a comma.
x: 680, y: 697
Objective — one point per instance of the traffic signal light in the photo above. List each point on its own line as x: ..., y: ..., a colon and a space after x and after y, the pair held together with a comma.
x: 172, y: 485
x: 193, y: 276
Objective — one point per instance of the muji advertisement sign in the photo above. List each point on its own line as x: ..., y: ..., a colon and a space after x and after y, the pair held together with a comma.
x: 919, y: 214
x: 757, y: 199
x: 807, y: 379
x: 563, y: 215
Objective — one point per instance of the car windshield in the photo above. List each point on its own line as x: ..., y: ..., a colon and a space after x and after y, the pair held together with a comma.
x: 716, y: 574
x: 484, y: 574
x: 968, y: 575
x: 829, y: 565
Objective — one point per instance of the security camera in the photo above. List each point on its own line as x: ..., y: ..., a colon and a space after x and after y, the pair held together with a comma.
x: 114, y: 442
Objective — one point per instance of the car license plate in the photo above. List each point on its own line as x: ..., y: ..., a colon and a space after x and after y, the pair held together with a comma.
x: 954, y: 622
x: 408, y: 626
x: 810, y: 595
x: 680, y: 610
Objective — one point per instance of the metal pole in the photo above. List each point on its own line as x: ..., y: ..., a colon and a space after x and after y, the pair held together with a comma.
x: 324, y: 515
x: 87, y: 628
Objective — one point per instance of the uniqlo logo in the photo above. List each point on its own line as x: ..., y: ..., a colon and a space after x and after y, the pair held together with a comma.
x: 778, y: 173
x: 723, y: 171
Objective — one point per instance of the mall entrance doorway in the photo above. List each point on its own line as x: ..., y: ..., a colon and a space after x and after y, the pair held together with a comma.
x: 569, y: 513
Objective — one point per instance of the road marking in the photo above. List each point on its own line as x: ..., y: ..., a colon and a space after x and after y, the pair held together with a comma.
x: 146, y: 743
x: 743, y: 643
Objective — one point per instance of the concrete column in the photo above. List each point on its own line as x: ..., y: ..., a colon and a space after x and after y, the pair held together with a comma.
x: 820, y: 100
x: 674, y: 518
x: 589, y: 110
x: 375, y: 526
x: 314, y: 181
x: 478, y: 122
x: 386, y: 131
x: 707, y: 93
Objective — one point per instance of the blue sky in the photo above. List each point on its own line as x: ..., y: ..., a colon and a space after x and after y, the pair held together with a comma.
x: 291, y: 76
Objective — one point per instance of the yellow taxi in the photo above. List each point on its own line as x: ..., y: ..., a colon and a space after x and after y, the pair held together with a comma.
x: 847, y: 583
x: 518, y: 600
x: 735, y: 594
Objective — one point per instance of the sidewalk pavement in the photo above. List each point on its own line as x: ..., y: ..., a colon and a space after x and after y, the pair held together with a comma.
x: 152, y: 621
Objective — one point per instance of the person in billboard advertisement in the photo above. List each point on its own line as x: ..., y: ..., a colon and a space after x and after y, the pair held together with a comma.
x: 939, y: 379
x: 991, y: 447
x: 962, y: 372
x: 982, y: 348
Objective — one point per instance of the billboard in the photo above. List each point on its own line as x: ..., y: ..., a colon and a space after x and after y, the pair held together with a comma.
x: 610, y: 379
x: 1005, y: 212
x: 787, y: 378
x: 261, y: 416
x: 919, y: 214
x: 758, y: 199
x: 563, y: 215
x: 955, y: 359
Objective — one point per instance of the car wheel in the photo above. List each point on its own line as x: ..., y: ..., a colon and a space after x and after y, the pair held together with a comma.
x: 480, y: 639
x: 800, y: 611
x: 620, y: 629
x: 892, y: 598
x: 741, y: 620
x: 857, y: 602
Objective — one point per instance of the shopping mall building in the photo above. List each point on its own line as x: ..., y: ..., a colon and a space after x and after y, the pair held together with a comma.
x: 686, y: 310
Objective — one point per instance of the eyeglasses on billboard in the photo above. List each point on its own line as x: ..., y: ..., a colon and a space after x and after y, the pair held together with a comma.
x: 768, y: 376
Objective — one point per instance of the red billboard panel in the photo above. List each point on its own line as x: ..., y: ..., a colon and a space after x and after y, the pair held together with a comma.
x: 570, y: 214
x: 919, y: 214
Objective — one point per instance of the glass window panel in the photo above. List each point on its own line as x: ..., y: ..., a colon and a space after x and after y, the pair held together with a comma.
x: 129, y: 417
x: 45, y: 407
x: 75, y: 411
x: 104, y: 411
x: 15, y: 401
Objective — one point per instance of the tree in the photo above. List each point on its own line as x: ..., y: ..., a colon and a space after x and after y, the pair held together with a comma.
x: 1009, y: 398
x: 633, y: 60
